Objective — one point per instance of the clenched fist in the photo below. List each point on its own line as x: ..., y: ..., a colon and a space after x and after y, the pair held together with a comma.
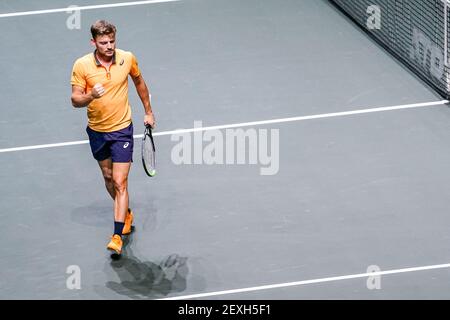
x: 98, y: 91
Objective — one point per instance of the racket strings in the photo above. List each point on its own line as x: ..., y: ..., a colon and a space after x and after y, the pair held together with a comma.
x: 149, y: 153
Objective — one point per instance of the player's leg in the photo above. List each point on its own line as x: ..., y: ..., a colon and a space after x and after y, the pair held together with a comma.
x: 120, y: 181
x: 107, y: 168
x: 100, y: 147
x: 121, y: 157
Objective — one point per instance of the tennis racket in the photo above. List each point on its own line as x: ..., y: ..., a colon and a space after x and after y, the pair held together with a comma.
x: 148, y: 152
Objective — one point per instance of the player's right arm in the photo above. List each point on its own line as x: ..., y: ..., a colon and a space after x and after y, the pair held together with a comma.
x: 81, y: 99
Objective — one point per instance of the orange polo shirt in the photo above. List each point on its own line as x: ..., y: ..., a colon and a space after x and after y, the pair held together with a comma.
x: 112, y: 111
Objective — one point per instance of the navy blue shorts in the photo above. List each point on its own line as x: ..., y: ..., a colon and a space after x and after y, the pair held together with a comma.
x: 117, y: 145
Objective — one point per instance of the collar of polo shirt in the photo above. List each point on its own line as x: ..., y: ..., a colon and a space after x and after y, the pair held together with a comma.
x: 98, y: 63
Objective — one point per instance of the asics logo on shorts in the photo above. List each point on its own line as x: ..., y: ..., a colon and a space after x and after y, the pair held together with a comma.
x: 126, y: 145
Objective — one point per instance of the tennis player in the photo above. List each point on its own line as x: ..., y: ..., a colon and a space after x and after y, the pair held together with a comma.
x: 100, y: 83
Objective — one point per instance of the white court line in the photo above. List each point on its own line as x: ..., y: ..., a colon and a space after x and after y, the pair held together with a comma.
x: 247, y: 124
x: 299, y: 283
x: 101, y: 6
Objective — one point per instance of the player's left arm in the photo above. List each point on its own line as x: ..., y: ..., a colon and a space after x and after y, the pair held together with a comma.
x: 144, y: 95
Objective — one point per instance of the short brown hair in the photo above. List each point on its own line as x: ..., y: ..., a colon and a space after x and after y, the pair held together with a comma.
x: 102, y: 27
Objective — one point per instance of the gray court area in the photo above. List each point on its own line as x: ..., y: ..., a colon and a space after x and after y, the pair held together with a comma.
x: 351, y: 191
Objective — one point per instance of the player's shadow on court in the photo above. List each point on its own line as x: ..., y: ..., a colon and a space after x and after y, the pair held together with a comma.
x: 146, y: 279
